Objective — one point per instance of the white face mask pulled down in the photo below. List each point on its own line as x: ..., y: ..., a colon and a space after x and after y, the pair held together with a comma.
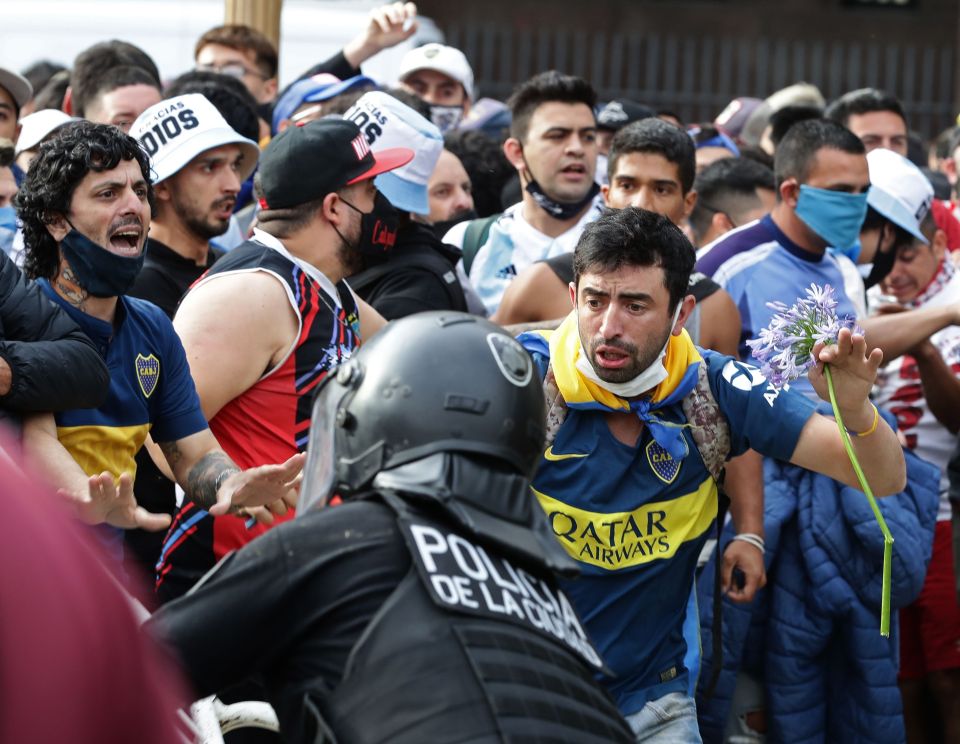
x: 646, y: 380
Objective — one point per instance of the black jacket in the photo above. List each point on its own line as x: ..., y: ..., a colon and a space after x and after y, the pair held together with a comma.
x: 348, y: 637
x: 54, y: 366
x: 418, y: 274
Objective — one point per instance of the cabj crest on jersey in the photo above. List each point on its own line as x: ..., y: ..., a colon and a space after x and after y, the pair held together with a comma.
x: 148, y: 373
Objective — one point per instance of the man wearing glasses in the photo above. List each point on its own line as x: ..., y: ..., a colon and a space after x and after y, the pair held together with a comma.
x: 245, y: 53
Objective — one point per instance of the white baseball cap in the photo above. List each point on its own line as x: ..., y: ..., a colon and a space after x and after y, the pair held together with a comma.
x: 35, y: 128
x: 17, y: 86
x: 898, y: 190
x: 386, y: 123
x: 445, y: 59
x: 175, y: 131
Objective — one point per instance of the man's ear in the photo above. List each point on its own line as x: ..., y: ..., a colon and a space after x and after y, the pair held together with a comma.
x: 513, y: 150
x: 334, y: 209
x: 790, y: 192
x: 573, y: 293
x: 67, y: 104
x: 270, y: 89
x: 939, y: 243
x: 720, y: 223
x: 686, y: 308
x: 689, y: 202
x: 949, y: 168
x: 58, y: 227
x: 162, y: 191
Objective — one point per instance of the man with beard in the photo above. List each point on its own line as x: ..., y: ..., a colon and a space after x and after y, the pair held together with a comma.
x: 623, y: 487
x: 85, y: 208
x: 553, y: 147
x: 197, y: 176
x: 198, y: 164
x: 274, y: 317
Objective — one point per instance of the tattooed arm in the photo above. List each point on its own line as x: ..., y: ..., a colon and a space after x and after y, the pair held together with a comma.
x: 214, y: 482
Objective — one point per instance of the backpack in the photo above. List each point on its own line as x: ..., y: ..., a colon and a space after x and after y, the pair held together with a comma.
x: 475, y: 238
x: 711, y: 434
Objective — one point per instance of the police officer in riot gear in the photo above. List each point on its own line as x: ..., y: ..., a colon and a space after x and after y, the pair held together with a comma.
x: 424, y: 608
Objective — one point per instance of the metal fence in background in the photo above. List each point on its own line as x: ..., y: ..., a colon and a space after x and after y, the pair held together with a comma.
x: 697, y: 76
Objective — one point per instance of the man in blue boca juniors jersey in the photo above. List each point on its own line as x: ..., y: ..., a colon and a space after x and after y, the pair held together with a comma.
x: 85, y: 207
x: 624, y: 487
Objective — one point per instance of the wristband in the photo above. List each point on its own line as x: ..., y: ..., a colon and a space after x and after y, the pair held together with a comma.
x: 221, y: 478
x: 752, y: 539
x: 873, y: 426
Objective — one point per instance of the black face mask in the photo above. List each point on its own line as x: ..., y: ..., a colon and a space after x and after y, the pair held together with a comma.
x: 98, y: 271
x: 443, y: 227
x: 378, y: 227
x: 882, y: 263
x: 556, y: 209
x: 560, y: 210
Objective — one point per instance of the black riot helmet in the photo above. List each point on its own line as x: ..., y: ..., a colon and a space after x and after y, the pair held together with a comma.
x: 437, y: 382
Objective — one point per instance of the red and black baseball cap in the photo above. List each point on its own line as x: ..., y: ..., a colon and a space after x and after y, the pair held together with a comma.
x: 304, y: 163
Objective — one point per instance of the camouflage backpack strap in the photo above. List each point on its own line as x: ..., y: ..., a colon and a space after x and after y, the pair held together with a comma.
x: 709, y: 426
x: 556, y: 406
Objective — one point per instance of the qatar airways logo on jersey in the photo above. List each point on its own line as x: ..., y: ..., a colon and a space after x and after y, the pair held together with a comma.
x: 618, y: 540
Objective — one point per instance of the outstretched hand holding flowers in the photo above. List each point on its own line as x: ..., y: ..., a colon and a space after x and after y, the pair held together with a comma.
x: 810, y: 338
x: 853, y: 372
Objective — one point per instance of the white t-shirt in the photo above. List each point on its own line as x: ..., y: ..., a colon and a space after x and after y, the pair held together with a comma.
x: 513, y: 245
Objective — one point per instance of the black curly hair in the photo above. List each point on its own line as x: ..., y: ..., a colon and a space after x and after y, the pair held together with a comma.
x: 62, y: 163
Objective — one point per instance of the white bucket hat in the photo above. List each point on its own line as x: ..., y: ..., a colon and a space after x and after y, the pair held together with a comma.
x: 386, y: 123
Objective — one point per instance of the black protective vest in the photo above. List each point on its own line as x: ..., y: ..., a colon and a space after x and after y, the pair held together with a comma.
x: 470, y: 648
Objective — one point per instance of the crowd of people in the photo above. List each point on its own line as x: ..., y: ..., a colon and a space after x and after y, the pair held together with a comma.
x: 495, y: 356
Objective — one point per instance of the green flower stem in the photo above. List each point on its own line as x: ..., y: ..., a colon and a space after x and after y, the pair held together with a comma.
x: 887, y: 537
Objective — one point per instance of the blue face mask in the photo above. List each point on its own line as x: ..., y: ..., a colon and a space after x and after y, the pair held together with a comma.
x: 8, y: 229
x: 8, y: 218
x: 835, y: 216
x: 100, y: 272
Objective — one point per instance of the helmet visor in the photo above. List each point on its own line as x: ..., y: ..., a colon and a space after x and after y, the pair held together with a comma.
x: 320, y: 471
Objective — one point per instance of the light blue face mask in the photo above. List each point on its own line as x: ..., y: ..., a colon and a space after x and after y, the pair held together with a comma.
x: 8, y: 218
x: 835, y: 216
x: 8, y: 229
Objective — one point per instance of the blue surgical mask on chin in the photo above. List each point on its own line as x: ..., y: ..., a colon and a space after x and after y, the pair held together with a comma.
x: 835, y: 216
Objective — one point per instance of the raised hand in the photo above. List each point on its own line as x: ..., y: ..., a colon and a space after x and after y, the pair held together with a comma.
x: 273, y: 486
x: 854, y: 373
x: 388, y: 26
x: 113, y: 504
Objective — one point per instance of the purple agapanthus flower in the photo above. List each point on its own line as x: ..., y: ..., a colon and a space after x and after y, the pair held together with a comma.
x: 785, y: 347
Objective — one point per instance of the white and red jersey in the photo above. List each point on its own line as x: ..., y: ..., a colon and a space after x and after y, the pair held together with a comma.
x: 900, y: 391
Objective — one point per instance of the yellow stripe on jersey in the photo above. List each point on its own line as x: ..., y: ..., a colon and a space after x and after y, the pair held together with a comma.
x: 620, y: 540
x: 100, y: 448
